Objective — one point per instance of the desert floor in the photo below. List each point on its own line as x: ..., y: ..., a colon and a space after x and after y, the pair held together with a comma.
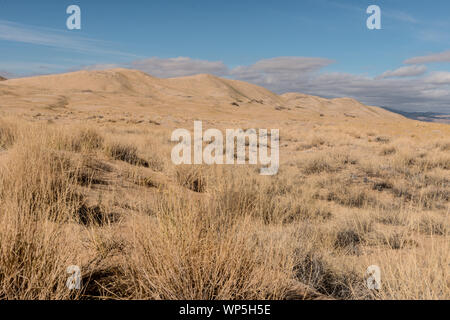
x: 87, y: 180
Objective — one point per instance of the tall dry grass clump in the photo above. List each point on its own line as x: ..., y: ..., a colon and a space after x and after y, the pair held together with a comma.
x: 8, y: 134
x: 187, y: 251
x: 36, y: 198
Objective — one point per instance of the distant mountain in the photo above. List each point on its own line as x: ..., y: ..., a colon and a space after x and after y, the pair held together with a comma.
x: 423, y: 116
x: 2, y: 79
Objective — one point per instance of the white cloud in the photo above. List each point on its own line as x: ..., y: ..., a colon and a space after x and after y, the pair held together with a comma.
x: 408, y: 71
x: 437, y: 57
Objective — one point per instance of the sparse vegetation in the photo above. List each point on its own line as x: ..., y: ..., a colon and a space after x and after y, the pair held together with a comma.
x: 105, y: 196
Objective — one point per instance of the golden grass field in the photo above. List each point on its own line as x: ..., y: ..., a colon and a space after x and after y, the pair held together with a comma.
x: 86, y: 179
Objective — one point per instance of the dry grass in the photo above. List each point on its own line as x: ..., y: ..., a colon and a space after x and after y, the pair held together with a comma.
x: 187, y: 252
x: 38, y: 204
x: 108, y: 200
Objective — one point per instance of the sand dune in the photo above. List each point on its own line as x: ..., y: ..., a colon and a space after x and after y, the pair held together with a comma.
x: 205, y: 94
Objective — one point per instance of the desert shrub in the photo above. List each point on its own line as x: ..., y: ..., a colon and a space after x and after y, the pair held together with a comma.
x: 89, y: 171
x: 314, y: 142
x: 156, y: 163
x: 77, y: 139
x: 194, y: 177
x: 89, y: 139
x: 432, y: 225
x: 354, y: 232
x: 303, y: 209
x: 382, y: 139
x: 313, y: 269
x: 125, y: 152
x: 398, y: 240
x: 329, y: 162
x: 8, y: 133
x: 351, y: 196
x: 348, y: 237
x: 388, y: 151
x: 318, y: 164
x: 431, y: 196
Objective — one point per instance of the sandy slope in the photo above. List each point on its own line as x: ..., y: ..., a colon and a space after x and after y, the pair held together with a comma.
x: 336, y: 107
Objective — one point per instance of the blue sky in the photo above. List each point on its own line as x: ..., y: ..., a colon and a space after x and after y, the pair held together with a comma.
x: 314, y: 46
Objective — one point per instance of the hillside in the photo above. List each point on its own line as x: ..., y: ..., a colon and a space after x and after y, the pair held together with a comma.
x: 336, y: 107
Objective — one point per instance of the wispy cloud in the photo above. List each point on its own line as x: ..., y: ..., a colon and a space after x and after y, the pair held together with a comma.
x: 403, y: 72
x: 11, y: 31
x: 436, y: 57
x: 400, y: 16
